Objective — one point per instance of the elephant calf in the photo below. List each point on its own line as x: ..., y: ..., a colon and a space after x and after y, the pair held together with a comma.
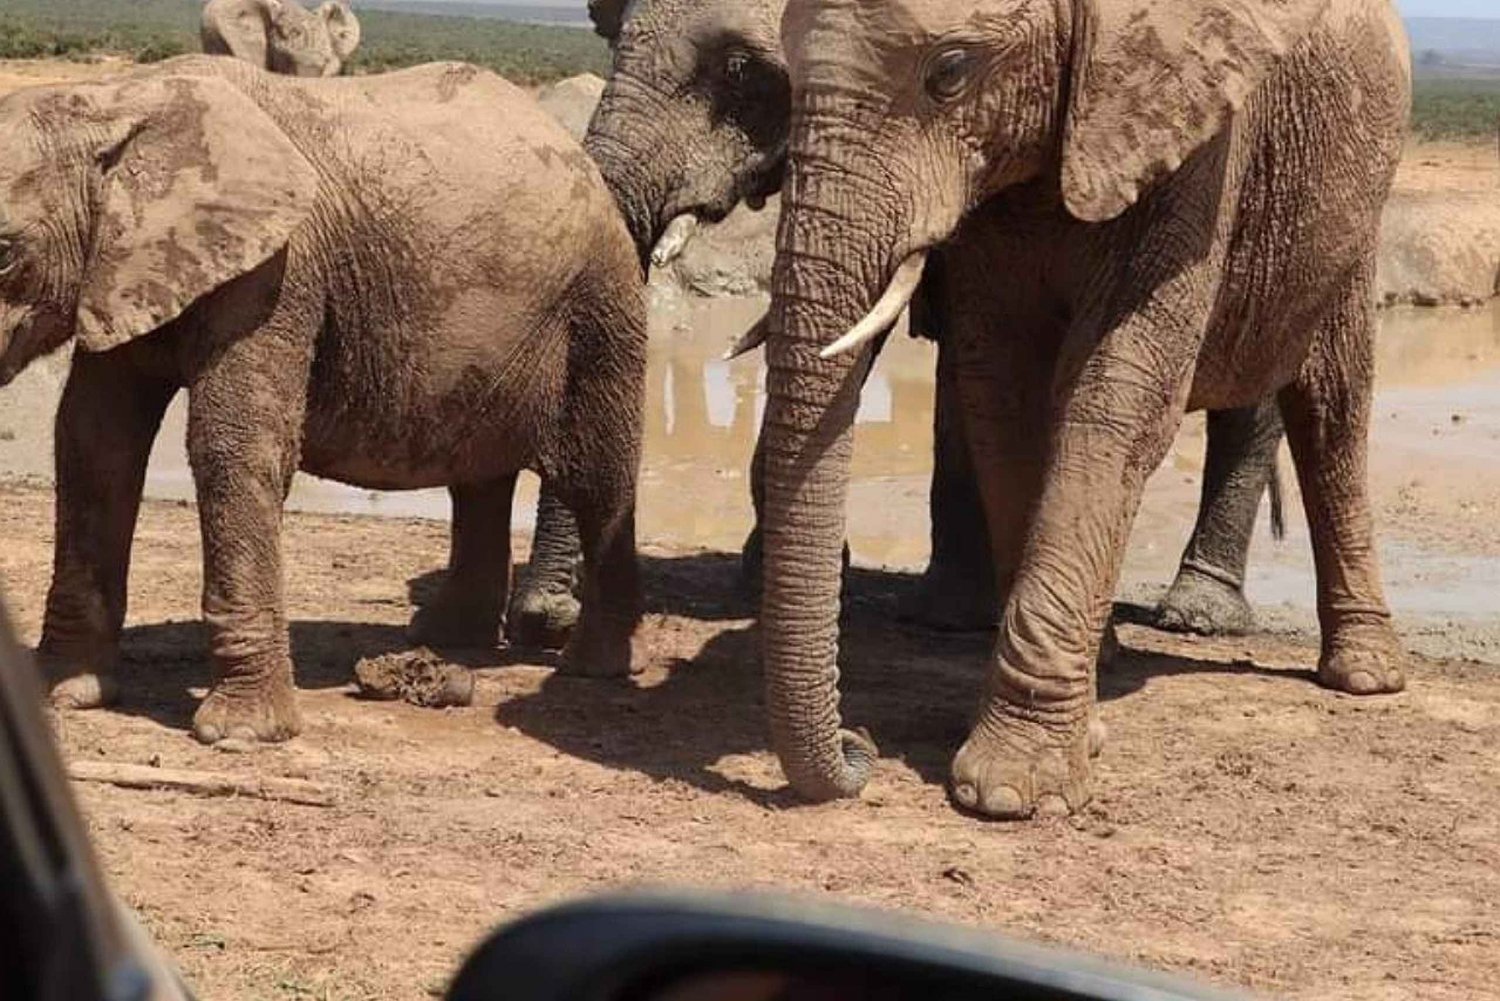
x: 403, y: 281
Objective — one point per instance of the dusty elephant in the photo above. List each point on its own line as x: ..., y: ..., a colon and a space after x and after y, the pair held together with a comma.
x: 401, y: 281
x: 282, y: 36
x: 1116, y: 251
x: 694, y: 121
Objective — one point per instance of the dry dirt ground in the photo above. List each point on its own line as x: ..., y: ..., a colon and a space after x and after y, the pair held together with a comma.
x: 1248, y: 827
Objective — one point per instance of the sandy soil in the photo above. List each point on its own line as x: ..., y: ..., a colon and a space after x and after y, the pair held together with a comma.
x: 1249, y: 828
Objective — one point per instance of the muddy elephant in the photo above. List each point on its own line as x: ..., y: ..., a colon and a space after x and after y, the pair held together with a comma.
x: 1143, y: 207
x: 400, y: 281
x: 694, y: 121
x: 282, y: 36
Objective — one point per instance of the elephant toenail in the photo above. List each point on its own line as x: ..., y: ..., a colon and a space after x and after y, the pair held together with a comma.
x: 1052, y: 806
x: 208, y: 734
x: 1362, y: 683
x: 1006, y: 803
x: 966, y: 794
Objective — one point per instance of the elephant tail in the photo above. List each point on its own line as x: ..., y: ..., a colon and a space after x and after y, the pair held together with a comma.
x: 1278, y: 510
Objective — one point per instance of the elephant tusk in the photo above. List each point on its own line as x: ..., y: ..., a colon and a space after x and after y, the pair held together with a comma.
x: 675, y: 240
x: 883, y: 315
x: 749, y: 340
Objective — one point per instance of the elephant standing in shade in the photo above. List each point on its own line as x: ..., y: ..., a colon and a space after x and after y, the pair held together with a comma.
x: 694, y: 120
x: 282, y: 36
x: 1142, y: 207
x: 398, y: 281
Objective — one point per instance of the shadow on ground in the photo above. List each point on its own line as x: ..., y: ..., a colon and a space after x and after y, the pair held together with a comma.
x: 913, y: 689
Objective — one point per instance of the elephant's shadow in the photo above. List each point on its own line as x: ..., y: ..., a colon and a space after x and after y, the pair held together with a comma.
x: 160, y: 662
x: 915, y: 690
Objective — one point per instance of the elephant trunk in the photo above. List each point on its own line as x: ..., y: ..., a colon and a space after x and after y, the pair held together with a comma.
x: 625, y: 140
x: 832, y: 262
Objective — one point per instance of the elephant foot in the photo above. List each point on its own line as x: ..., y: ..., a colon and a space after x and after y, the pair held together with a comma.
x: 1012, y: 769
x: 248, y: 710
x: 1204, y: 604
x: 78, y: 682
x: 598, y: 651
x: 946, y: 603
x: 452, y: 622
x: 1363, y: 660
x: 542, y: 619
x: 90, y: 690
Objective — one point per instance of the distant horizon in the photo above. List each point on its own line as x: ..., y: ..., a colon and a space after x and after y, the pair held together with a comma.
x: 1483, y: 10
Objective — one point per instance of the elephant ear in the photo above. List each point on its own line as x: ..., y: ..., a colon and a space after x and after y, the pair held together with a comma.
x: 197, y: 186
x: 343, y: 27
x: 239, y: 28
x: 1153, y: 80
x: 608, y: 17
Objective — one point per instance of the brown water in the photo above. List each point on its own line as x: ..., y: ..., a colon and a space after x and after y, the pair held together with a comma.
x: 702, y: 415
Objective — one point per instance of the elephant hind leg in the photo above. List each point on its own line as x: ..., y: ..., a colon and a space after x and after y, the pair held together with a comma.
x: 1208, y: 596
x: 106, y: 423
x: 544, y: 608
x: 466, y: 611
x: 1327, y: 415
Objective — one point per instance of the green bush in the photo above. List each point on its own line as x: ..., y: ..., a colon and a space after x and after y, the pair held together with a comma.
x: 1456, y: 108
x: 150, y: 30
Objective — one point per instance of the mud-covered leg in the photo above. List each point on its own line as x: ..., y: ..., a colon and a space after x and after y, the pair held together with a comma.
x: 466, y: 610
x: 957, y: 591
x: 1208, y: 595
x: 544, y: 607
x: 106, y: 423
x: 1327, y: 416
x: 245, y: 415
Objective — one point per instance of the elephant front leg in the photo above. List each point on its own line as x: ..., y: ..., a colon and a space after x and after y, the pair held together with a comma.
x: 106, y: 423
x: 244, y: 443
x: 1208, y: 596
x: 1029, y: 751
x: 545, y: 608
x: 1327, y: 415
x: 466, y: 611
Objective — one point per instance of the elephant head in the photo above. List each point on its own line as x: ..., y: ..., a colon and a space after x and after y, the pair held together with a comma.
x: 694, y: 117
x: 126, y: 201
x: 281, y: 36
x: 907, y: 115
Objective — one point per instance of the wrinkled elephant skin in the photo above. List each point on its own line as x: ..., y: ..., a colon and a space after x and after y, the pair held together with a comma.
x: 1114, y: 252
x: 403, y: 281
x: 694, y: 119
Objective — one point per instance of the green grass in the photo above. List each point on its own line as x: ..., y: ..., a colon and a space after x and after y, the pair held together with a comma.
x: 149, y: 30
x: 1456, y: 108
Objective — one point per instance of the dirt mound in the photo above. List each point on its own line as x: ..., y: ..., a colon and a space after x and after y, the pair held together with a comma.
x: 572, y: 101
x: 1440, y: 248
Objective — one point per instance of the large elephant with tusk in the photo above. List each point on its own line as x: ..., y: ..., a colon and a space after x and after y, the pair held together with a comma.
x: 1141, y: 207
x: 281, y: 35
x: 694, y: 121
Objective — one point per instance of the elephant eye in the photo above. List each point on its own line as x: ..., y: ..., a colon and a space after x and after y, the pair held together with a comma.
x: 737, y: 67
x: 948, y: 74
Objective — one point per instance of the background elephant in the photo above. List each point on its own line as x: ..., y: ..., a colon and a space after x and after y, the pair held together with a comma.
x: 396, y: 281
x: 694, y: 120
x: 1115, y: 251
x: 282, y: 36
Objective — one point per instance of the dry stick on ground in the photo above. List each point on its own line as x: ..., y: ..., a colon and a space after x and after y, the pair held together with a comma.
x: 202, y: 783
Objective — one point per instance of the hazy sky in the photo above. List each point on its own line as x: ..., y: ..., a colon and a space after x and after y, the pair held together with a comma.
x: 1412, y: 8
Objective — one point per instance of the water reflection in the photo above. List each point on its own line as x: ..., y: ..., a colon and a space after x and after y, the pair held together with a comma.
x: 703, y: 414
